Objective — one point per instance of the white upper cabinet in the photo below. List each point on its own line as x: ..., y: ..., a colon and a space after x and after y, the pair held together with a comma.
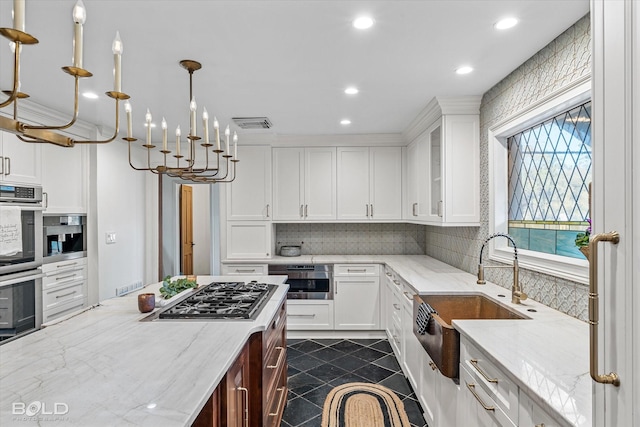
x: 369, y: 183
x: 304, y: 184
x: 19, y: 161
x: 64, y: 178
x: 444, y: 178
x: 249, y: 195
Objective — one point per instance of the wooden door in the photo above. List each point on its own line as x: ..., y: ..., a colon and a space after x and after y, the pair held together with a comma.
x: 186, y: 228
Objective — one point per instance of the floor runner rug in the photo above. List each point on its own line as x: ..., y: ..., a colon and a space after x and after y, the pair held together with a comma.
x: 363, y: 405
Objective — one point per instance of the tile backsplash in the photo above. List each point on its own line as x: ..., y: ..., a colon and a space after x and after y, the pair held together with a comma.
x: 354, y: 239
x: 563, y: 61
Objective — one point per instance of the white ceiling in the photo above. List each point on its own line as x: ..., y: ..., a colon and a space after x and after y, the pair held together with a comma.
x: 287, y: 60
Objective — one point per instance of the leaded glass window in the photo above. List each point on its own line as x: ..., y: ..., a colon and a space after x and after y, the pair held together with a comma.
x: 549, y: 176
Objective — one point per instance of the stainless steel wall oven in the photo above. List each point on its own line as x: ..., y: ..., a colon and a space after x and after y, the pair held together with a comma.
x: 20, y: 260
x: 306, y: 281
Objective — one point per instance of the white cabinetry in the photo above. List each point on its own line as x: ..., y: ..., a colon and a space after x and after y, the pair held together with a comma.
x: 20, y: 161
x: 245, y: 269
x: 411, y: 347
x: 249, y: 239
x: 393, y: 312
x: 304, y: 184
x: 446, y: 189
x: 369, y: 183
x: 356, y: 296
x: 309, y: 315
x: 64, y: 288
x: 531, y: 414
x: 64, y: 178
x: 249, y: 195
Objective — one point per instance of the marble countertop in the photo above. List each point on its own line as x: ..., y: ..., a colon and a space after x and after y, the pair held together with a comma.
x: 547, y: 355
x: 108, y: 368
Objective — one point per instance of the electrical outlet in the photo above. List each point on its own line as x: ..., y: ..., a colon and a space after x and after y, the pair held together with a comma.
x: 110, y: 237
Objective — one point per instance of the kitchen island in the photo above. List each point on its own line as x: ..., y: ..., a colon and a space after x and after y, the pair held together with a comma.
x: 104, y: 367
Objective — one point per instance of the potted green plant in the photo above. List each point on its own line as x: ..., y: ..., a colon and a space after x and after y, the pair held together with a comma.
x: 582, y: 240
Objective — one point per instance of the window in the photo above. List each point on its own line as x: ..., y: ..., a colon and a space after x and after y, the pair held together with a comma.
x: 541, y: 182
x: 549, y: 176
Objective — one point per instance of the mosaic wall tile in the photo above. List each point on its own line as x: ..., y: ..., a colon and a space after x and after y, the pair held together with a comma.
x: 562, y: 61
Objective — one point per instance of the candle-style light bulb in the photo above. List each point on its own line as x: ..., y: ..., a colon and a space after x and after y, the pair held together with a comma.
x: 18, y: 15
x: 216, y: 129
x: 205, y: 125
x: 164, y: 134
x: 178, y: 140
x: 235, y: 145
x: 127, y: 109
x: 147, y: 118
x: 193, y: 107
x: 117, y: 48
x: 227, y: 133
x: 79, y: 18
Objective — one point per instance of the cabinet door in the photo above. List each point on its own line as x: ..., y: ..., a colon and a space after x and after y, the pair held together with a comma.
x: 249, y: 195
x: 249, y: 239
x: 412, y: 349
x: 427, y: 392
x: 20, y: 160
x: 411, y: 210
x: 531, y: 414
x: 64, y: 177
x: 353, y: 183
x: 288, y: 184
x: 320, y: 184
x: 478, y: 409
x: 356, y: 303
x: 386, y: 183
x: 236, y: 393
x: 461, y: 170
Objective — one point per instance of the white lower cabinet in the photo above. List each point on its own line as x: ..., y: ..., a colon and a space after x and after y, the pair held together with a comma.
x: 393, y: 312
x: 411, y: 347
x: 356, y: 297
x: 64, y: 288
x: 309, y: 315
x: 530, y: 414
x: 476, y: 405
x: 245, y: 269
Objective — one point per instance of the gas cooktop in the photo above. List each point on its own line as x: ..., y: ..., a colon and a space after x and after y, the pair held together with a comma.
x: 222, y: 300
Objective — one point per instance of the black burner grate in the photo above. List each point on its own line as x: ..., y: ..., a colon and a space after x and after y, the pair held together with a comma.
x: 222, y: 300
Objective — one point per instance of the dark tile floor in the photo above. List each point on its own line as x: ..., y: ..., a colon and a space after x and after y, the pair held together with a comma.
x: 318, y: 365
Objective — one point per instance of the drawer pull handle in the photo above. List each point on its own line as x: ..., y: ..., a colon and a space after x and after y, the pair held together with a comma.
x: 356, y: 270
x: 433, y: 366
x: 472, y: 389
x: 281, y: 390
x: 247, y: 270
x: 474, y: 362
x: 66, y: 277
x: 387, y: 274
x: 409, y: 297
x: 301, y: 315
x: 246, y: 405
x: 397, y: 282
x: 540, y: 425
x: 396, y: 306
x: 282, y: 353
x: 65, y: 295
x: 66, y: 265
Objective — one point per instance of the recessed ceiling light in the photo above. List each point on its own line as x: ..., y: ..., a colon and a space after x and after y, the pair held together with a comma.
x: 345, y: 122
x: 363, y: 22
x: 90, y: 95
x: 505, y: 23
x: 464, y: 70
x: 351, y: 90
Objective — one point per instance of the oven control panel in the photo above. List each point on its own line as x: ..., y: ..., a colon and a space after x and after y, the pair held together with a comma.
x: 14, y: 193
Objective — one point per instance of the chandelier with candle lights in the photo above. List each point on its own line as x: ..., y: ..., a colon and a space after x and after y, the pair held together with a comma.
x: 206, y: 169
x: 209, y: 168
x: 51, y: 133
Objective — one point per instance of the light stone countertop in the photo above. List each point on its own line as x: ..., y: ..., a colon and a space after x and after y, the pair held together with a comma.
x: 110, y: 369
x: 546, y: 356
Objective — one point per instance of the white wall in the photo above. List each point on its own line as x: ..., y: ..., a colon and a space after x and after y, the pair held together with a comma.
x: 119, y: 196
x: 201, y: 229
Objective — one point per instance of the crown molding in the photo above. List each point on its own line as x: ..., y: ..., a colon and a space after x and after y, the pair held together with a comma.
x: 436, y: 108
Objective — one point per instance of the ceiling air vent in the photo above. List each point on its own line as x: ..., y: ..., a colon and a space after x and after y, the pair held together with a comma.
x: 252, y: 122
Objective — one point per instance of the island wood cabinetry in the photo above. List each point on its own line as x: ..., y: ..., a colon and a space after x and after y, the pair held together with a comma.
x: 304, y: 184
x: 254, y: 389
x: 369, y: 179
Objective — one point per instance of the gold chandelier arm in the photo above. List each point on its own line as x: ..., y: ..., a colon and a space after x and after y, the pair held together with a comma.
x: 115, y: 133
x: 25, y: 128
x: 16, y: 78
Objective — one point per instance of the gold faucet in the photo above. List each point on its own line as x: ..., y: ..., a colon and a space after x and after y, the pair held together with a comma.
x: 516, y: 291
